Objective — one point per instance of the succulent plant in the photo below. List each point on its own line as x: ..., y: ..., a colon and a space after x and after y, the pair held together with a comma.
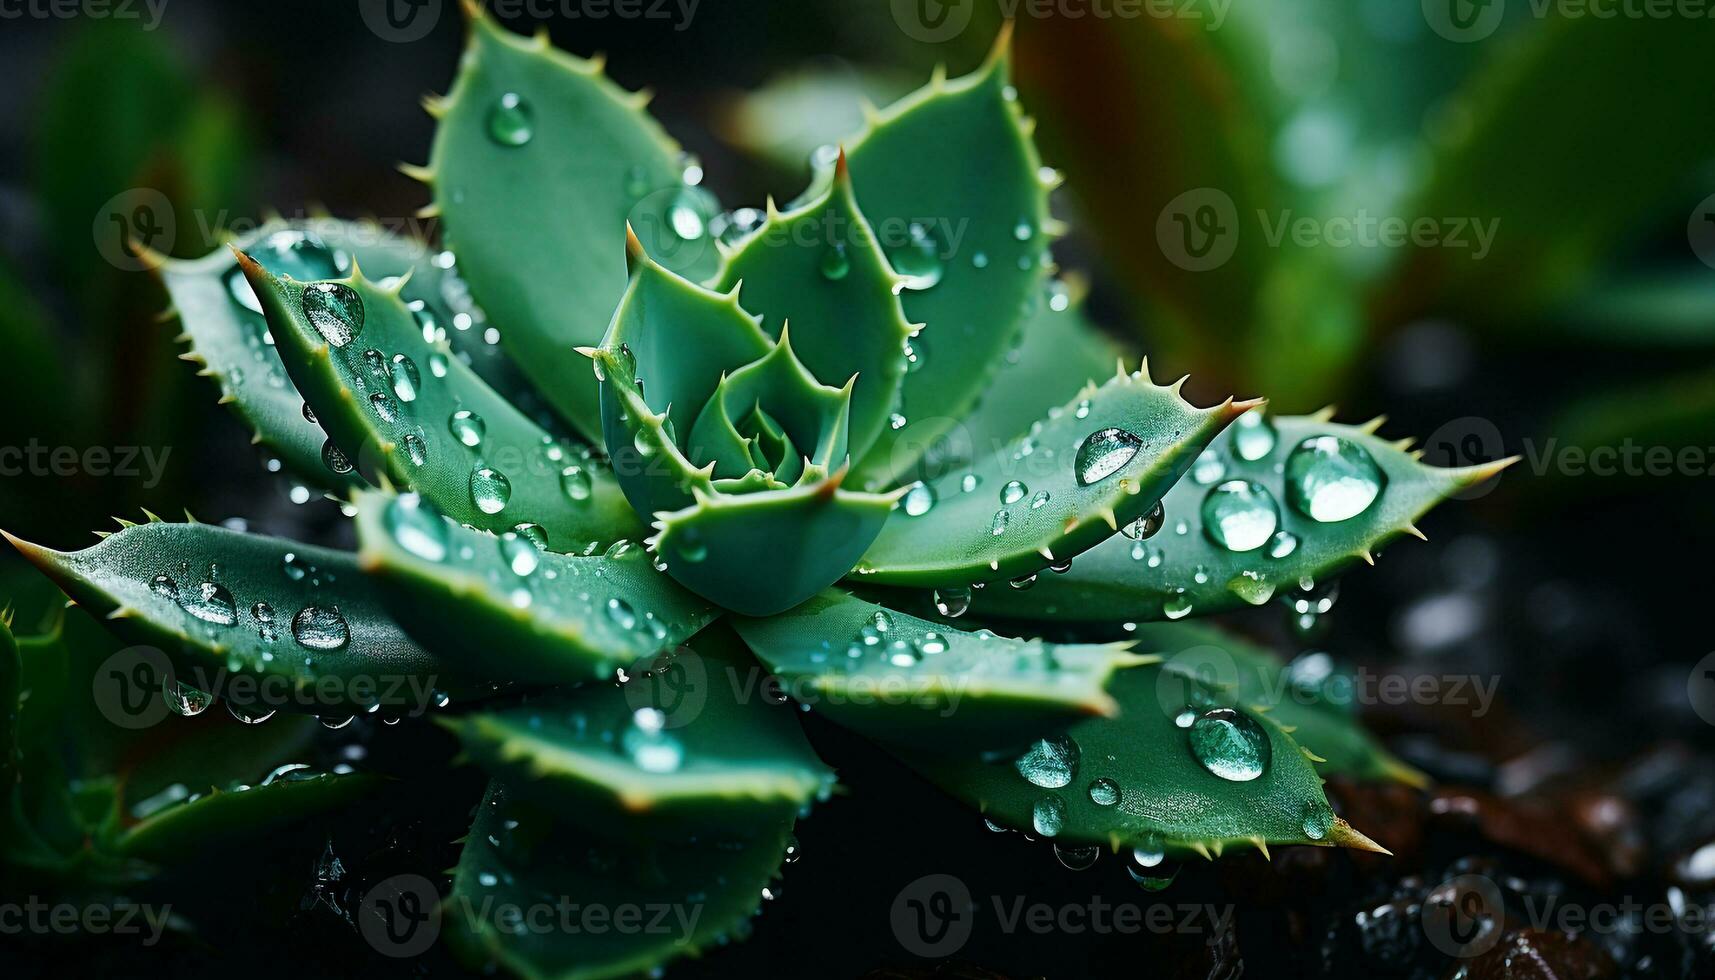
x: 626, y: 447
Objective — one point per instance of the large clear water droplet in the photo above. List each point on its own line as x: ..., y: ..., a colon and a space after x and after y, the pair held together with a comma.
x: 1013, y: 492
x: 1104, y: 792
x: 467, y: 427
x: 321, y: 628
x: 1103, y: 453
x: 997, y: 524
x: 1048, y: 815
x: 1240, y: 515
x: 1253, y: 436
x: 1330, y: 478
x: 511, y: 121
x: 184, y: 699
x: 1050, y: 763
x: 210, y: 602
x: 953, y: 602
x: 575, y: 484
x: 490, y: 490
x: 1317, y: 821
x: 335, y: 310
x: 1282, y: 544
x: 918, y: 260
x: 1229, y: 744
x: 1208, y: 468
x: 417, y: 527
x: 405, y: 377
x: 1146, y: 526
x: 919, y: 500
x: 519, y: 553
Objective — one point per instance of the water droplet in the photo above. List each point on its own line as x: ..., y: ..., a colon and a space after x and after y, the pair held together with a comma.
x: 1079, y: 857
x: 1282, y: 544
x: 835, y: 263
x: 1229, y: 744
x: 295, y: 568
x: 1329, y: 478
x: 688, y: 214
x: 184, y: 699
x: 1103, y: 453
x: 650, y: 746
x: 1022, y: 231
x: 969, y: 482
x: 930, y: 644
x: 321, y: 628
x: 952, y: 602
x: 209, y: 602
x: 1048, y: 816
x: 919, y: 260
x: 334, y: 459
x: 164, y: 586
x: 1050, y: 763
x: 438, y: 364
x: 383, y: 406
x: 997, y: 524
x: 1208, y: 468
x: 575, y: 484
x: 467, y: 427
x: 335, y: 310
x: 636, y: 181
x: 1148, y: 853
x: 1013, y: 492
x: 1040, y: 500
x: 916, y: 353
x: 520, y: 554
x: 1147, y: 525
x: 1253, y: 436
x: 1251, y: 587
x: 918, y: 500
x: 1240, y: 515
x: 1083, y: 409
x: 1177, y: 605
x: 691, y: 546
x: 415, y: 449
x: 248, y: 715
x: 621, y: 613
x: 1104, y: 792
x: 405, y: 378
x: 490, y: 490
x: 510, y: 121
x: 1317, y: 821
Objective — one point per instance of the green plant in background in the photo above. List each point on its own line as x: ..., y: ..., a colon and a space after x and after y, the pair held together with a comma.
x: 599, y: 477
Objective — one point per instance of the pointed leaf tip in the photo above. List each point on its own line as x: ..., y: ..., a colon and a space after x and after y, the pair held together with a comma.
x: 1344, y: 834
x: 635, y: 256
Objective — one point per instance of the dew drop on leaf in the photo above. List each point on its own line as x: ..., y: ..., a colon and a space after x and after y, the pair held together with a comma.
x: 1048, y: 815
x: 1240, y: 515
x: 490, y: 489
x: 1104, y: 792
x: 511, y: 121
x: 919, y: 500
x: 1103, y: 453
x: 1330, y: 479
x: 321, y: 628
x: 335, y: 310
x: 467, y: 427
x: 1253, y: 436
x: 1229, y: 744
x: 416, y: 527
x: 1050, y: 763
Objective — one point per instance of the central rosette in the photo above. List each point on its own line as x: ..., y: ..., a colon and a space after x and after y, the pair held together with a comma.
x: 733, y: 447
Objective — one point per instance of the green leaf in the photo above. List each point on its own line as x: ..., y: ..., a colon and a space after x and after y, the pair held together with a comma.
x: 1178, y: 569
x: 809, y: 536
x: 821, y: 270
x: 536, y: 216
x: 559, y: 618
x: 1545, y: 100
x: 1159, y: 795
x: 1061, y: 352
x: 773, y: 415
x: 952, y: 184
x: 690, y: 743
x: 228, y: 336
x: 898, y: 679
x: 406, y: 411
x: 176, y: 833
x: 688, y: 895
x: 1306, y: 703
x: 1100, y: 461
x: 265, y: 621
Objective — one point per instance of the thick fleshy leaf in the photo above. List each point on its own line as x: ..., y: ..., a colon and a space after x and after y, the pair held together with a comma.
x: 1060, y: 353
x: 1180, y: 769
x: 501, y: 608
x: 820, y: 269
x: 898, y: 679
x: 538, y: 160
x: 402, y: 409
x: 690, y: 742
x: 1099, y: 462
x: 228, y: 336
x: 690, y: 895
x: 670, y: 343
x: 951, y: 181
x: 809, y: 535
x: 1306, y: 697
x: 787, y: 421
x: 176, y: 832
x: 1271, y: 503
x: 259, y: 621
